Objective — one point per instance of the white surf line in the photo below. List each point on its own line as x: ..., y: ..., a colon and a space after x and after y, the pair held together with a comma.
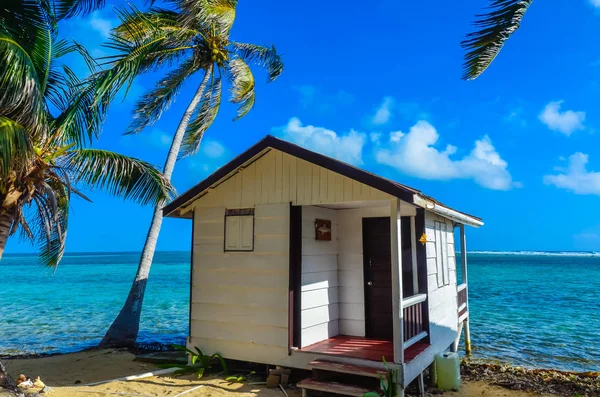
x: 134, y: 377
x: 188, y: 391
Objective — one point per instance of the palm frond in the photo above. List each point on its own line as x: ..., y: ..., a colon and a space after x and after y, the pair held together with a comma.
x: 203, y: 119
x: 72, y: 8
x: 152, y: 105
x: 52, y: 202
x: 15, y: 148
x: 215, y: 16
x: 119, y: 175
x: 20, y: 97
x: 140, y: 45
x: 494, y: 29
x: 242, y: 86
x: 266, y: 57
x: 81, y: 118
x: 136, y: 24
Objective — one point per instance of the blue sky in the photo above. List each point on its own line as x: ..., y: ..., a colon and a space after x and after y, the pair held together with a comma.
x: 379, y: 86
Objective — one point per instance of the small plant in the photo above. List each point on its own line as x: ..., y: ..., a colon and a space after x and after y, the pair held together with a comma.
x: 200, y: 361
x: 239, y: 378
x: 389, y: 383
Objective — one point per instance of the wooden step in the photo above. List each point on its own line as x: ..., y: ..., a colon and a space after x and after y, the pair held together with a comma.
x: 359, y: 370
x: 332, y: 387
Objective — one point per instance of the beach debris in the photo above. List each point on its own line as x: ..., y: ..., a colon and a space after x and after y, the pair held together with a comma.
x: 38, y: 383
x: 28, y: 384
x: 541, y: 381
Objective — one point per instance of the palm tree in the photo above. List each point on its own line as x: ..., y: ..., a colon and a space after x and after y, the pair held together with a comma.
x: 47, y: 122
x: 194, y: 35
x: 494, y: 29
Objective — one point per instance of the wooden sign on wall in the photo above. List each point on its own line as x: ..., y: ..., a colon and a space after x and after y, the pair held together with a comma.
x: 322, y: 230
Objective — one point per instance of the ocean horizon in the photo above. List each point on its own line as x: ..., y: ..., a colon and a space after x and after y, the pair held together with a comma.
x: 530, y: 308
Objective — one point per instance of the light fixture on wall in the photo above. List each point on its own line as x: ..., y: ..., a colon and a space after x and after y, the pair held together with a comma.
x: 423, y: 239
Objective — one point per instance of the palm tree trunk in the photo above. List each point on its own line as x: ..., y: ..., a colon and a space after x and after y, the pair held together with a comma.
x: 6, y: 221
x: 124, y: 330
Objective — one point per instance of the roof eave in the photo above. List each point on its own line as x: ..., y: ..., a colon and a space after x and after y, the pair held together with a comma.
x: 446, y: 212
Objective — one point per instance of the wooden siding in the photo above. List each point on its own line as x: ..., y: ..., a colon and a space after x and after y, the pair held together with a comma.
x: 278, y: 177
x: 320, y: 310
x: 240, y: 299
x: 443, y: 315
x: 350, y: 268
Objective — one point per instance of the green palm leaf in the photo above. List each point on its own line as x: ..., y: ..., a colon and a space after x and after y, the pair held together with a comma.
x: 215, y: 16
x: 152, y: 105
x: 15, y: 148
x: 71, y: 8
x: 119, y: 175
x: 263, y: 56
x: 242, y: 86
x: 140, y: 45
x: 53, y: 215
x: 20, y: 97
x: 203, y: 119
x: 494, y: 29
x: 80, y: 118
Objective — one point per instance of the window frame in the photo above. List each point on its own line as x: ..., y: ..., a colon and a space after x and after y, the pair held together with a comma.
x: 441, y: 254
x: 242, y: 213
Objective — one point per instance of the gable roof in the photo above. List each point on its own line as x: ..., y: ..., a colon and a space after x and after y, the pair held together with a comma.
x: 393, y: 188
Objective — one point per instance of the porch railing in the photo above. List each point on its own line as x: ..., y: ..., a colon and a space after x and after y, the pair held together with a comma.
x: 462, y: 299
x: 415, y: 328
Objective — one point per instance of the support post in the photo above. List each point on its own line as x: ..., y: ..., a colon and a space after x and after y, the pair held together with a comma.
x: 467, y: 337
x: 463, y: 257
x: 396, y: 254
x: 413, y: 251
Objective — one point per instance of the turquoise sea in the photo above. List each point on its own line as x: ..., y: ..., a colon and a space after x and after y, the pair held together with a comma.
x: 531, y: 309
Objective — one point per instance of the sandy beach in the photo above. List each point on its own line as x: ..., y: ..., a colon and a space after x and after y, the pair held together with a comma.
x: 69, y: 374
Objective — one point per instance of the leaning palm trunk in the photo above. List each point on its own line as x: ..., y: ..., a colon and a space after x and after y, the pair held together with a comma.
x: 124, y: 330
x: 6, y: 221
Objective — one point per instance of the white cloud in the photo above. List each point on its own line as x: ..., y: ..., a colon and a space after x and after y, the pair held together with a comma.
x: 375, y: 137
x: 595, y: 3
x: 213, y: 149
x: 414, y: 154
x: 395, y: 136
x: 101, y: 24
x: 346, y: 147
x: 383, y: 114
x: 576, y: 177
x: 565, y: 122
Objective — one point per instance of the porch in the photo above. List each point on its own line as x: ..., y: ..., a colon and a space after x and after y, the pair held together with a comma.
x: 363, y: 348
x: 348, y: 285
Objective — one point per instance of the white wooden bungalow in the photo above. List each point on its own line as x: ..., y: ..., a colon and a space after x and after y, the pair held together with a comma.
x: 302, y: 261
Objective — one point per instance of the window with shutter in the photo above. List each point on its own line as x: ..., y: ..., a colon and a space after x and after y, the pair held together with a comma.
x: 239, y: 229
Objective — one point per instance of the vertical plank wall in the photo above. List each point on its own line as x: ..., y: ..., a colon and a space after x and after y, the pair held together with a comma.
x: 280, y: 178
x: 240, y: 300
x: 443, y: 314
x: 320, y: 310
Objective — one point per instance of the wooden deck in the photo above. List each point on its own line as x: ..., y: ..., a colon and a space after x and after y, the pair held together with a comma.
x: 414, y: 351
x: 355, y: 347
x: 363, y: 348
